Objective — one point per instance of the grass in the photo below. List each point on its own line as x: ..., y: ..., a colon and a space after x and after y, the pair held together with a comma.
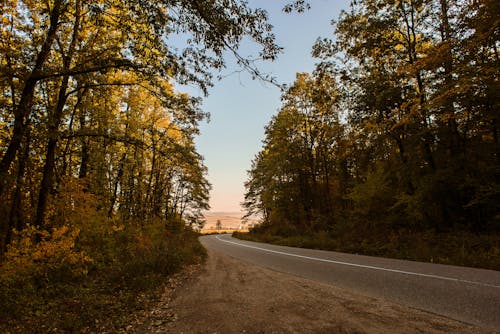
x: 456, y: 248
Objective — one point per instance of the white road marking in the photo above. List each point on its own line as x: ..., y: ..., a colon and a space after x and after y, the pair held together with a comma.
x: 363, y: 266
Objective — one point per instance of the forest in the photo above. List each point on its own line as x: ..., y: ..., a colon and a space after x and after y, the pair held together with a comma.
x: 390, y: 147
x: 101, y: 185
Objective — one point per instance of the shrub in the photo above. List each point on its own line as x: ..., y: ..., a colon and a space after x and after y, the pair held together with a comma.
x: 53, y: 258
x: 67, y: 277
x: 36, y: 261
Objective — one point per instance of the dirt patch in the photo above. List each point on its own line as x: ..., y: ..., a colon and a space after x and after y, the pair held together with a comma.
x: 228, y: 296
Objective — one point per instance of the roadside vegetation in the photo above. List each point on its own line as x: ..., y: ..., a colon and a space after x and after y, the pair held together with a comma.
x: 458, y: 248
x: 89, y: 280
x: 390, y: 147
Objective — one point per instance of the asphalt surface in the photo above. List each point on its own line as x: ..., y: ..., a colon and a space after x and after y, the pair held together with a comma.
x: 465, y: 294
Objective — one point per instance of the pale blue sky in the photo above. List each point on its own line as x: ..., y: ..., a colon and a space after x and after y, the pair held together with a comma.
x: 240, y: 107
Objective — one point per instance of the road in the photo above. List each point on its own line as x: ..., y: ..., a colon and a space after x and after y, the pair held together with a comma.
x: 464, y: 294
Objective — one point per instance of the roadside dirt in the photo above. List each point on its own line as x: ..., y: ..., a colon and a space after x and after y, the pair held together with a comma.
x: 228, y: 296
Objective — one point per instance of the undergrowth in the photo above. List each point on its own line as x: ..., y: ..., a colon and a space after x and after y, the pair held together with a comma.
x: 70, y: 279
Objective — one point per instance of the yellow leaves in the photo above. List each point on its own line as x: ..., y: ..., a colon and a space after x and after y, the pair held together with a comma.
x: 424, y: 46
x: 175, y: 133
x: 5, y: 21
x: 163, y: 123
x: 54, y: 252
x: 58, y: 246
x: 118, y: 228
x: 72, y: 203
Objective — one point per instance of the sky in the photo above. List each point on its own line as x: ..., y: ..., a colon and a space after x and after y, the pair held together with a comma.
x: 240, y: 107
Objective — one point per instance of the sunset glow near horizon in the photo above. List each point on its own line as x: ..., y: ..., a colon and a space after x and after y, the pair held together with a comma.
x: 241, y: 107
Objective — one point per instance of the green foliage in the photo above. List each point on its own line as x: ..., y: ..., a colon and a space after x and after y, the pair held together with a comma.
x: 87, y: 92
x: 99, y: 173
x: 372, y: 198
x: 295, y: 169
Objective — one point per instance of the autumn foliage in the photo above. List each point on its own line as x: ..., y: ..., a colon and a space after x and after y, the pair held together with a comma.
x: 394, y: 137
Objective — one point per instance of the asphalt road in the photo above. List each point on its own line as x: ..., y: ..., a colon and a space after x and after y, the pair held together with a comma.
x: 465, y: 294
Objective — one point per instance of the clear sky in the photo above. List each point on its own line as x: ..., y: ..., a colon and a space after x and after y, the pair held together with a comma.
x: 240, y: 107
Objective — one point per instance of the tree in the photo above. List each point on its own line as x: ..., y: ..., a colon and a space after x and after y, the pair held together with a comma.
x: 295, y: 179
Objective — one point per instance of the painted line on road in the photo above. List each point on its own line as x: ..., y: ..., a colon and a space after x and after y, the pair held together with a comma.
x: 363, y: 266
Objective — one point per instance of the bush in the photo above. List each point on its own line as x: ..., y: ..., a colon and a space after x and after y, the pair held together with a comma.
x: 68, y: 277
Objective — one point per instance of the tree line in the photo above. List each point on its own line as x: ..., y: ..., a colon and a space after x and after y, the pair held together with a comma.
x: 396, y: 129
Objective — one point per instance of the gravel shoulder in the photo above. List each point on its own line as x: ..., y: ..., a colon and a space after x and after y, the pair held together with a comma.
x: 228, y: 296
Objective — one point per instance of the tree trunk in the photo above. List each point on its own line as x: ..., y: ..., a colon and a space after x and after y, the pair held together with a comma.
x: 23, y: 109
x: 54, y: 123
x: 412, y: 58
x: 15, y: 215
x: 84, y: 152
x: 115, y: 186
x: 453, y: 140
x: 47, y: 182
